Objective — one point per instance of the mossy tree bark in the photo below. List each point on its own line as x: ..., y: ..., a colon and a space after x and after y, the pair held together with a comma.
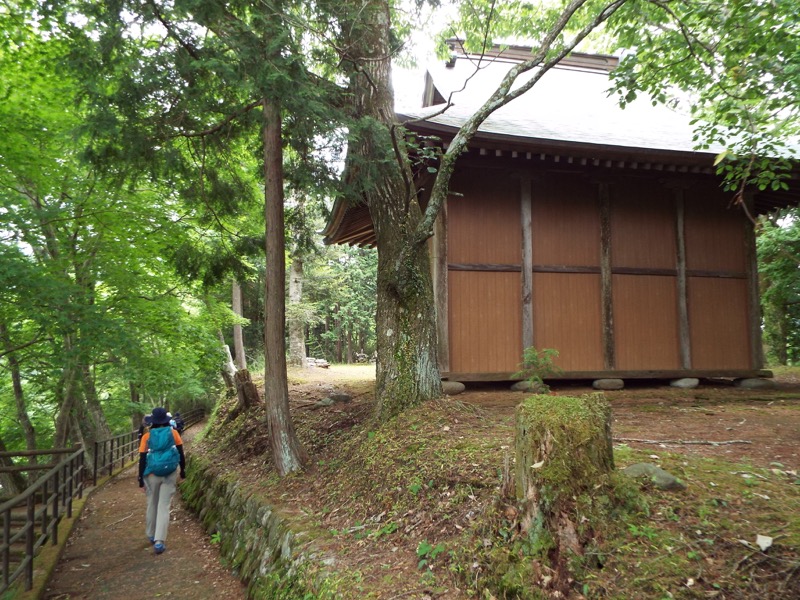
x: 379, y: 173
x: 246, y: 393
x: 563, y: 461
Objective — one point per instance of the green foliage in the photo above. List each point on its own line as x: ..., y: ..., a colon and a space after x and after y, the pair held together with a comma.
x: 340, y: 285
x: 778, y: 246
x: 427, y: 552
x: 536, y: 365
x: 92, y: 305
x: 737, y: 60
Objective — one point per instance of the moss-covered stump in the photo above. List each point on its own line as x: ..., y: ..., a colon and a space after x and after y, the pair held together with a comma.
x: 273, y: 553
x: 563, y: 462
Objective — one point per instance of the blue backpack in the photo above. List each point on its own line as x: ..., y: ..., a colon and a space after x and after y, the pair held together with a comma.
x: 162, y: 455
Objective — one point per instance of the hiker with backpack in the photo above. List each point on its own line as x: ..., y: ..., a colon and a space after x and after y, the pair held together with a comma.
x: 147, y: 420
x: 179, y: 424
x: 160, y: 457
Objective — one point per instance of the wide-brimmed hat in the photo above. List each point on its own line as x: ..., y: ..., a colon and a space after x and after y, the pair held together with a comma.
x: 160, y: 416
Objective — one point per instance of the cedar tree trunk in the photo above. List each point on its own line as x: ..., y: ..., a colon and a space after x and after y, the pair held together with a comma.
x: 297, y: 338
x: 287, y: 453
x: 378, y: 170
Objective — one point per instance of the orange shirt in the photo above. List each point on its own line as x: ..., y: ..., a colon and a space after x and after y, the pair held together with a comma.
x: 146, y: 438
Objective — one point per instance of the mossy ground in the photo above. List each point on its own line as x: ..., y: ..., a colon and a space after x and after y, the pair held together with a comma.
x: 413, y: 508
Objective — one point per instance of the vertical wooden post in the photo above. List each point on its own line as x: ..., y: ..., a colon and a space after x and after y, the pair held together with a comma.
x: 82, y: 468
x: 526, y: 211
x: 95, y: 465
x: 30, y: 533
x: 44, y: 507
x: 440, y: 290
x: 753, y: 295
x: 684, y: 332
x: 607, y: 304
x: 6, y: 546
x: 69, y: 477
x: 111, y: 459
x: 56, y: 514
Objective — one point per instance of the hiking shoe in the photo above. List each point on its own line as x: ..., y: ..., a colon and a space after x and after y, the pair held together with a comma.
x: 159, y: 547
x: 152, y: 539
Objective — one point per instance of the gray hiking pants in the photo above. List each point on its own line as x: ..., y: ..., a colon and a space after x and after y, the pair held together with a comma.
x: 159, y: 497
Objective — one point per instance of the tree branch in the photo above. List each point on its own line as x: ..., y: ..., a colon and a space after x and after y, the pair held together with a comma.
x: 171, y: 31
x: 35, y: 340
x: 227, y: 120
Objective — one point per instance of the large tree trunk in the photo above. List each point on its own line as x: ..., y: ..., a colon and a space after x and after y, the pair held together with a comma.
x: 297, y: 338
x: 238, y: 339
x: 228, y: 367
x: 13, y: 483
x: 76, y: 434
x: 19, y: 397
x: 94, y: 411
x: 136, y: 418
x: 407, y: 370
x: 339, y: 334
x: 246, y: 393
x: 350, y: 359
x: 66, y: 397
x: 287, y: 453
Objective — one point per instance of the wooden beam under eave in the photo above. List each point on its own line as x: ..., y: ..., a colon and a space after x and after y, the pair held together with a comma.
x: 526, y: 212
x: 440, y: 289
x: 607, y: 304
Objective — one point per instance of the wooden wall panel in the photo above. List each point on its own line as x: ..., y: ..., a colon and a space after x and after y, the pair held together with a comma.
x: 485, y: 322
x: 715, y: 234
x: 718, y: 320
x: 566, y: 314
x: 646, y: 322
x: 566, y: 222
x: 642, y: 226
x: 484, y: 224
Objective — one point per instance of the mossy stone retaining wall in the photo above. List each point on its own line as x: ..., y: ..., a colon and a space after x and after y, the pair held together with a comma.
x: 272, y: 552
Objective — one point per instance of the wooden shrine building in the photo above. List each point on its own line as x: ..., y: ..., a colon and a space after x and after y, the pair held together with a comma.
x: 576, y: 225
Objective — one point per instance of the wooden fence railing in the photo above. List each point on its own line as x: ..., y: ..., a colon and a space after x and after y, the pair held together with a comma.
x: 36, y: 513
x: 32, y: 517
x: 192, y: 417
x: 115, y: 451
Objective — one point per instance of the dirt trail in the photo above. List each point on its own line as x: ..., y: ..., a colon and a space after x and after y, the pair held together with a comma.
x: 108, y: 556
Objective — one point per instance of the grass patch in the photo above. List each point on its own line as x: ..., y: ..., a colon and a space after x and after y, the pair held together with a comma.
x: 412, y: 508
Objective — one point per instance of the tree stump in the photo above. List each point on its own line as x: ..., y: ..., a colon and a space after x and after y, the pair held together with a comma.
x: 563, y: 460
x: 246, y: 390
x: 246, y: 393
